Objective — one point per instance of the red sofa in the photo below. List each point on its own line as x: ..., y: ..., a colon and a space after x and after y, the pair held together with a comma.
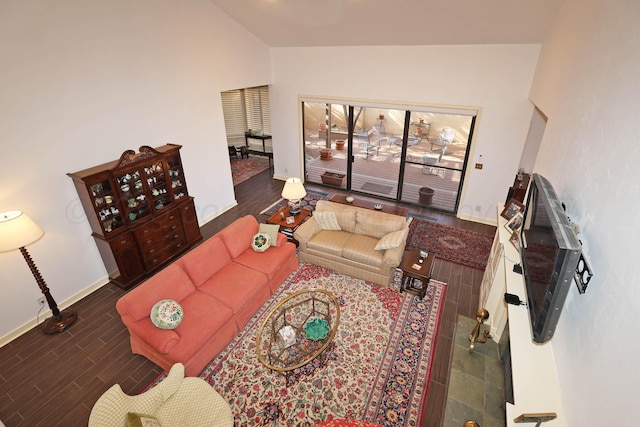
x: 220, y: 284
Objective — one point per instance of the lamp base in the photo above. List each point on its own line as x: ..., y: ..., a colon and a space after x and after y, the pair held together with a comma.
x: 58, y: 324
x: 294, y: 211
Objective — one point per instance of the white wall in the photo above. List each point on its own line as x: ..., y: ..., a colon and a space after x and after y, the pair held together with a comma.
x: 82, y: 81
x: 587, y: 84
x: 496, y: 79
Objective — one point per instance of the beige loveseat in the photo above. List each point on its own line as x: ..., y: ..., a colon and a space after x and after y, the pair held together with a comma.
x: 358, y: 242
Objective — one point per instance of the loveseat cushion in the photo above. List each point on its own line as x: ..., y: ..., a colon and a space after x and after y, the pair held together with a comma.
x: 362, y: 249
x: 327, y: 220
x: 206, y: 260
x: 392, y: 240
x: 237, y: 235
x: 330, y: 242
x: 377, y: 224
x: 345, y: 214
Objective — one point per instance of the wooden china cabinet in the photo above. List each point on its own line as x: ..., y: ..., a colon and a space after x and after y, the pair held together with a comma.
x: 139, y: 210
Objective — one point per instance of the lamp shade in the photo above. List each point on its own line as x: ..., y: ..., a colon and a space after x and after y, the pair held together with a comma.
x: 17, y: 230
x: 293, y: 189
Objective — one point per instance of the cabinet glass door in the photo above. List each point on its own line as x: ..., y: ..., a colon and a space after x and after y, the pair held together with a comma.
x: 134, y: 198
x: 178, y: 185
x: 105, y: 202
x: 157, y: 182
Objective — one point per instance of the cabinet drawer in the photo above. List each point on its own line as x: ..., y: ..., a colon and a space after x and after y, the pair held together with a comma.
x: 152, y: 251
x: 122, y: 242
x: 161, y: 237
x: 171, y: 227
x: 147, y: 232
x: 155, y: 260
x: 176, y: 246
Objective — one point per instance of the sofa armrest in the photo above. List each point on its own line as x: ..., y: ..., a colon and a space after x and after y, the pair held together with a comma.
x: 306, y: 231
x: 281, y: 239
x: 393, y: 256
x: 161, y: 340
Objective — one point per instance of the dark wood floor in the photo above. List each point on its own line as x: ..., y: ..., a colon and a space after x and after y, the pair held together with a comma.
x: 54, y: 380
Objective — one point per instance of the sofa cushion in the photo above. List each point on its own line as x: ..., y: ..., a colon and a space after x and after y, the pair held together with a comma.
x: 260, y: 242
x: 327, y: 220
x: 329, y: 241
x: 203, y: 316
x: 273, y: 230
x: 235, y: 284
x: 206, y: 260
x: 169, y: 283
x: 392, y: 240
x: 167, y: 314
x: 377, y: 224
x: 362, y: 249
x: 237, y: 235
x: 269, y: 262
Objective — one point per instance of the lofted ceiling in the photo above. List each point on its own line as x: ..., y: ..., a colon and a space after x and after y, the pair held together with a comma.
x: 296, y: 23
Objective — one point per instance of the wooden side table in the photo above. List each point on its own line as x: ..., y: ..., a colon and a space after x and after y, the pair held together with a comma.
x: 416, y: 272
x: 287, y: 228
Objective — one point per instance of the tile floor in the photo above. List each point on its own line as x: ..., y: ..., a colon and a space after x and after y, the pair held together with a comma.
x: 476, y: 383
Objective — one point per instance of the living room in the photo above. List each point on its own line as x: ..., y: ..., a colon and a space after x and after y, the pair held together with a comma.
x: 84, y: 82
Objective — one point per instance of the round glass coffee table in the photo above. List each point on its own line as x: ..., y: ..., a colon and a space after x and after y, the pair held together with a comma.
x: 298, y: 329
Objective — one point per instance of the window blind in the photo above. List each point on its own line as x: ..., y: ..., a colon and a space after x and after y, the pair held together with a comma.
x: 245, y: 109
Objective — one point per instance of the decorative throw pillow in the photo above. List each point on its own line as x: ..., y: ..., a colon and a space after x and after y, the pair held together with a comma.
x: 272, y: 230
x: 141, y: 420
x: 261, y: 242
x: 327, y: 220
x: 166, y: 314
x: 390, y: 240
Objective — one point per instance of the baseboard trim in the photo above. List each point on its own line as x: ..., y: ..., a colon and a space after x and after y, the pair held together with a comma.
x: 33, y: 323
x: 217, y: 213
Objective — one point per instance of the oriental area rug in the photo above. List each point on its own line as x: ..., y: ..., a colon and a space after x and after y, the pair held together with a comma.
x: 466, y: 247
x: 376, y: 369
x: 243, y: 169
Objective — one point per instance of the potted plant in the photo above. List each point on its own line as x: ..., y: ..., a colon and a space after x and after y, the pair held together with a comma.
x: 326, y: 154
x: 425, y: 195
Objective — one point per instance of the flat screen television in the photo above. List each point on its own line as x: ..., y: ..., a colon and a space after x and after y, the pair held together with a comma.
x: 550, y: 252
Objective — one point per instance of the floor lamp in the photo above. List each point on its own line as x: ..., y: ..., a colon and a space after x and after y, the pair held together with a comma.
x: 17, y: 230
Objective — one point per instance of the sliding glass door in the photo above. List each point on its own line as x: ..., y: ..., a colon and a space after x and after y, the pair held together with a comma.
x: 412, y: 154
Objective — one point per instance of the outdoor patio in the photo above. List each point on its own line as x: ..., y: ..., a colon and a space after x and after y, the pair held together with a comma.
x: 378, y: 172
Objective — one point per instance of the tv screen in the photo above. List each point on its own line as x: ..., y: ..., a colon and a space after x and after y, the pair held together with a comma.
x: 550, y: 252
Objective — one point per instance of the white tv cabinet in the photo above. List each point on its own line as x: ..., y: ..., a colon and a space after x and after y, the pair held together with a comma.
x: 536, y: 388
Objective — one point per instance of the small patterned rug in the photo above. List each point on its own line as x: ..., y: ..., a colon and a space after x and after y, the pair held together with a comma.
x: 243, y: 169
x: 377, y: 368
x: 457, y: 245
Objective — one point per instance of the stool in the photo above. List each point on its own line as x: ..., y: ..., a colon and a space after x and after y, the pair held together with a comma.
x: 244, y: 151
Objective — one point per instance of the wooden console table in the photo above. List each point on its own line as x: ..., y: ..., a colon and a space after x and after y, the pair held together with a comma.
x: 263, y: 152
x: 390, y: 209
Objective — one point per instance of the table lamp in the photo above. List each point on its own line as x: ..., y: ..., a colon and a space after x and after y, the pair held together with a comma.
x: 17, y: 230
x: 293, y: 191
